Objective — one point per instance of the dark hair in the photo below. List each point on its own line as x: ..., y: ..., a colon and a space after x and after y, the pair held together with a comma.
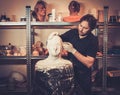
x: 74, y: 5
x: 41, y: 2
x: 92, y: 21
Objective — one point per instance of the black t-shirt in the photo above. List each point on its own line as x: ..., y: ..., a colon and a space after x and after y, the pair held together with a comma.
x: 87, y: 46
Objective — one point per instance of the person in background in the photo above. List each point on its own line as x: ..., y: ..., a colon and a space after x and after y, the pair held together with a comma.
x: 74, y: 8
x: 82, y: 47
x: 39, y: 12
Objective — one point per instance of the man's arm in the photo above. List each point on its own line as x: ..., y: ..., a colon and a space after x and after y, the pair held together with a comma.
x: 88, y: 61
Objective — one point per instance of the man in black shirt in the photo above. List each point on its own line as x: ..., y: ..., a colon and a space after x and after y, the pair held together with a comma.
x: 82, y: 46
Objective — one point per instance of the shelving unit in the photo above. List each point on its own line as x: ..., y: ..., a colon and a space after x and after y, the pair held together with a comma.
x: 105, y: 68
x: 41, y: 25
x: 29, y: 60
x: 12, y: 60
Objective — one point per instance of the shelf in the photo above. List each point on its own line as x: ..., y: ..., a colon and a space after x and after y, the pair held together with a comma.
x: 114, y: 24
x: 12, y: 25
x: 109, y: 56
x: 113, y: 55
x: 37, y: 23
x: 38, y: 57
x: 110, y: 25
x: 49, y: 25
x: 18, y: 59
x: 41, y: 25
x: 8, y: 60
x: 23, y: 59
x: 53, y: 25
x: 16, y: 90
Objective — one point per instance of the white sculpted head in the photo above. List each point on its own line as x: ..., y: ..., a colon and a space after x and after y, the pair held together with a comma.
x: 54, y: 44
x: 54, y: 60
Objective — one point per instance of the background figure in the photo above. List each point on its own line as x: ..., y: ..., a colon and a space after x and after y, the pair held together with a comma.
x: 39, y: 12
x: 74, y: 8
x: 54, y: 75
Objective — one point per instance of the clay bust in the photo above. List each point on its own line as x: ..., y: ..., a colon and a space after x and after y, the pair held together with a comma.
x: 54, y: 75
x: 54, y: 60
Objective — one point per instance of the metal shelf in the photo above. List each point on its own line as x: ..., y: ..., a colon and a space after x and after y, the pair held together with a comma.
x: 12, y: 25
x: 12, y: 60
x: 109, y: 56
x: 5, y: 60
x: 21, y: 57
x: 12, y: 57
x: 53, y: 23
x: 37, y: 23
x: 109, y: 24
x: 16, y: 90
x: 43, y: 25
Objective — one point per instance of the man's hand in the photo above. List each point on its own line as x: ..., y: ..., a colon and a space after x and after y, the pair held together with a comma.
x: 69, y: 47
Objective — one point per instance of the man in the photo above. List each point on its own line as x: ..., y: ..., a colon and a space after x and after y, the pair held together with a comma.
x: 82, y: 46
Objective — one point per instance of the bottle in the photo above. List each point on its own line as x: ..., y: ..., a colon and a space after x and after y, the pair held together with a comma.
x: 49, y: 17
x: 10, y: 46
x: 59, y: 17
x: 53, y: 15
x: 3, y: 17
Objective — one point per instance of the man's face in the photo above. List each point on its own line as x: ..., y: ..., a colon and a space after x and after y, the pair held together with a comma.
x: 83, y: 28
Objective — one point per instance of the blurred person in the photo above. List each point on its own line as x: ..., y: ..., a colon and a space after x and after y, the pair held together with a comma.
x: 74, y: 9
x: 39, y: 12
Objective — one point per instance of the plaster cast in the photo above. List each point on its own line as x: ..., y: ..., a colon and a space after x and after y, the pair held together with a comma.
x: 54, y: 60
